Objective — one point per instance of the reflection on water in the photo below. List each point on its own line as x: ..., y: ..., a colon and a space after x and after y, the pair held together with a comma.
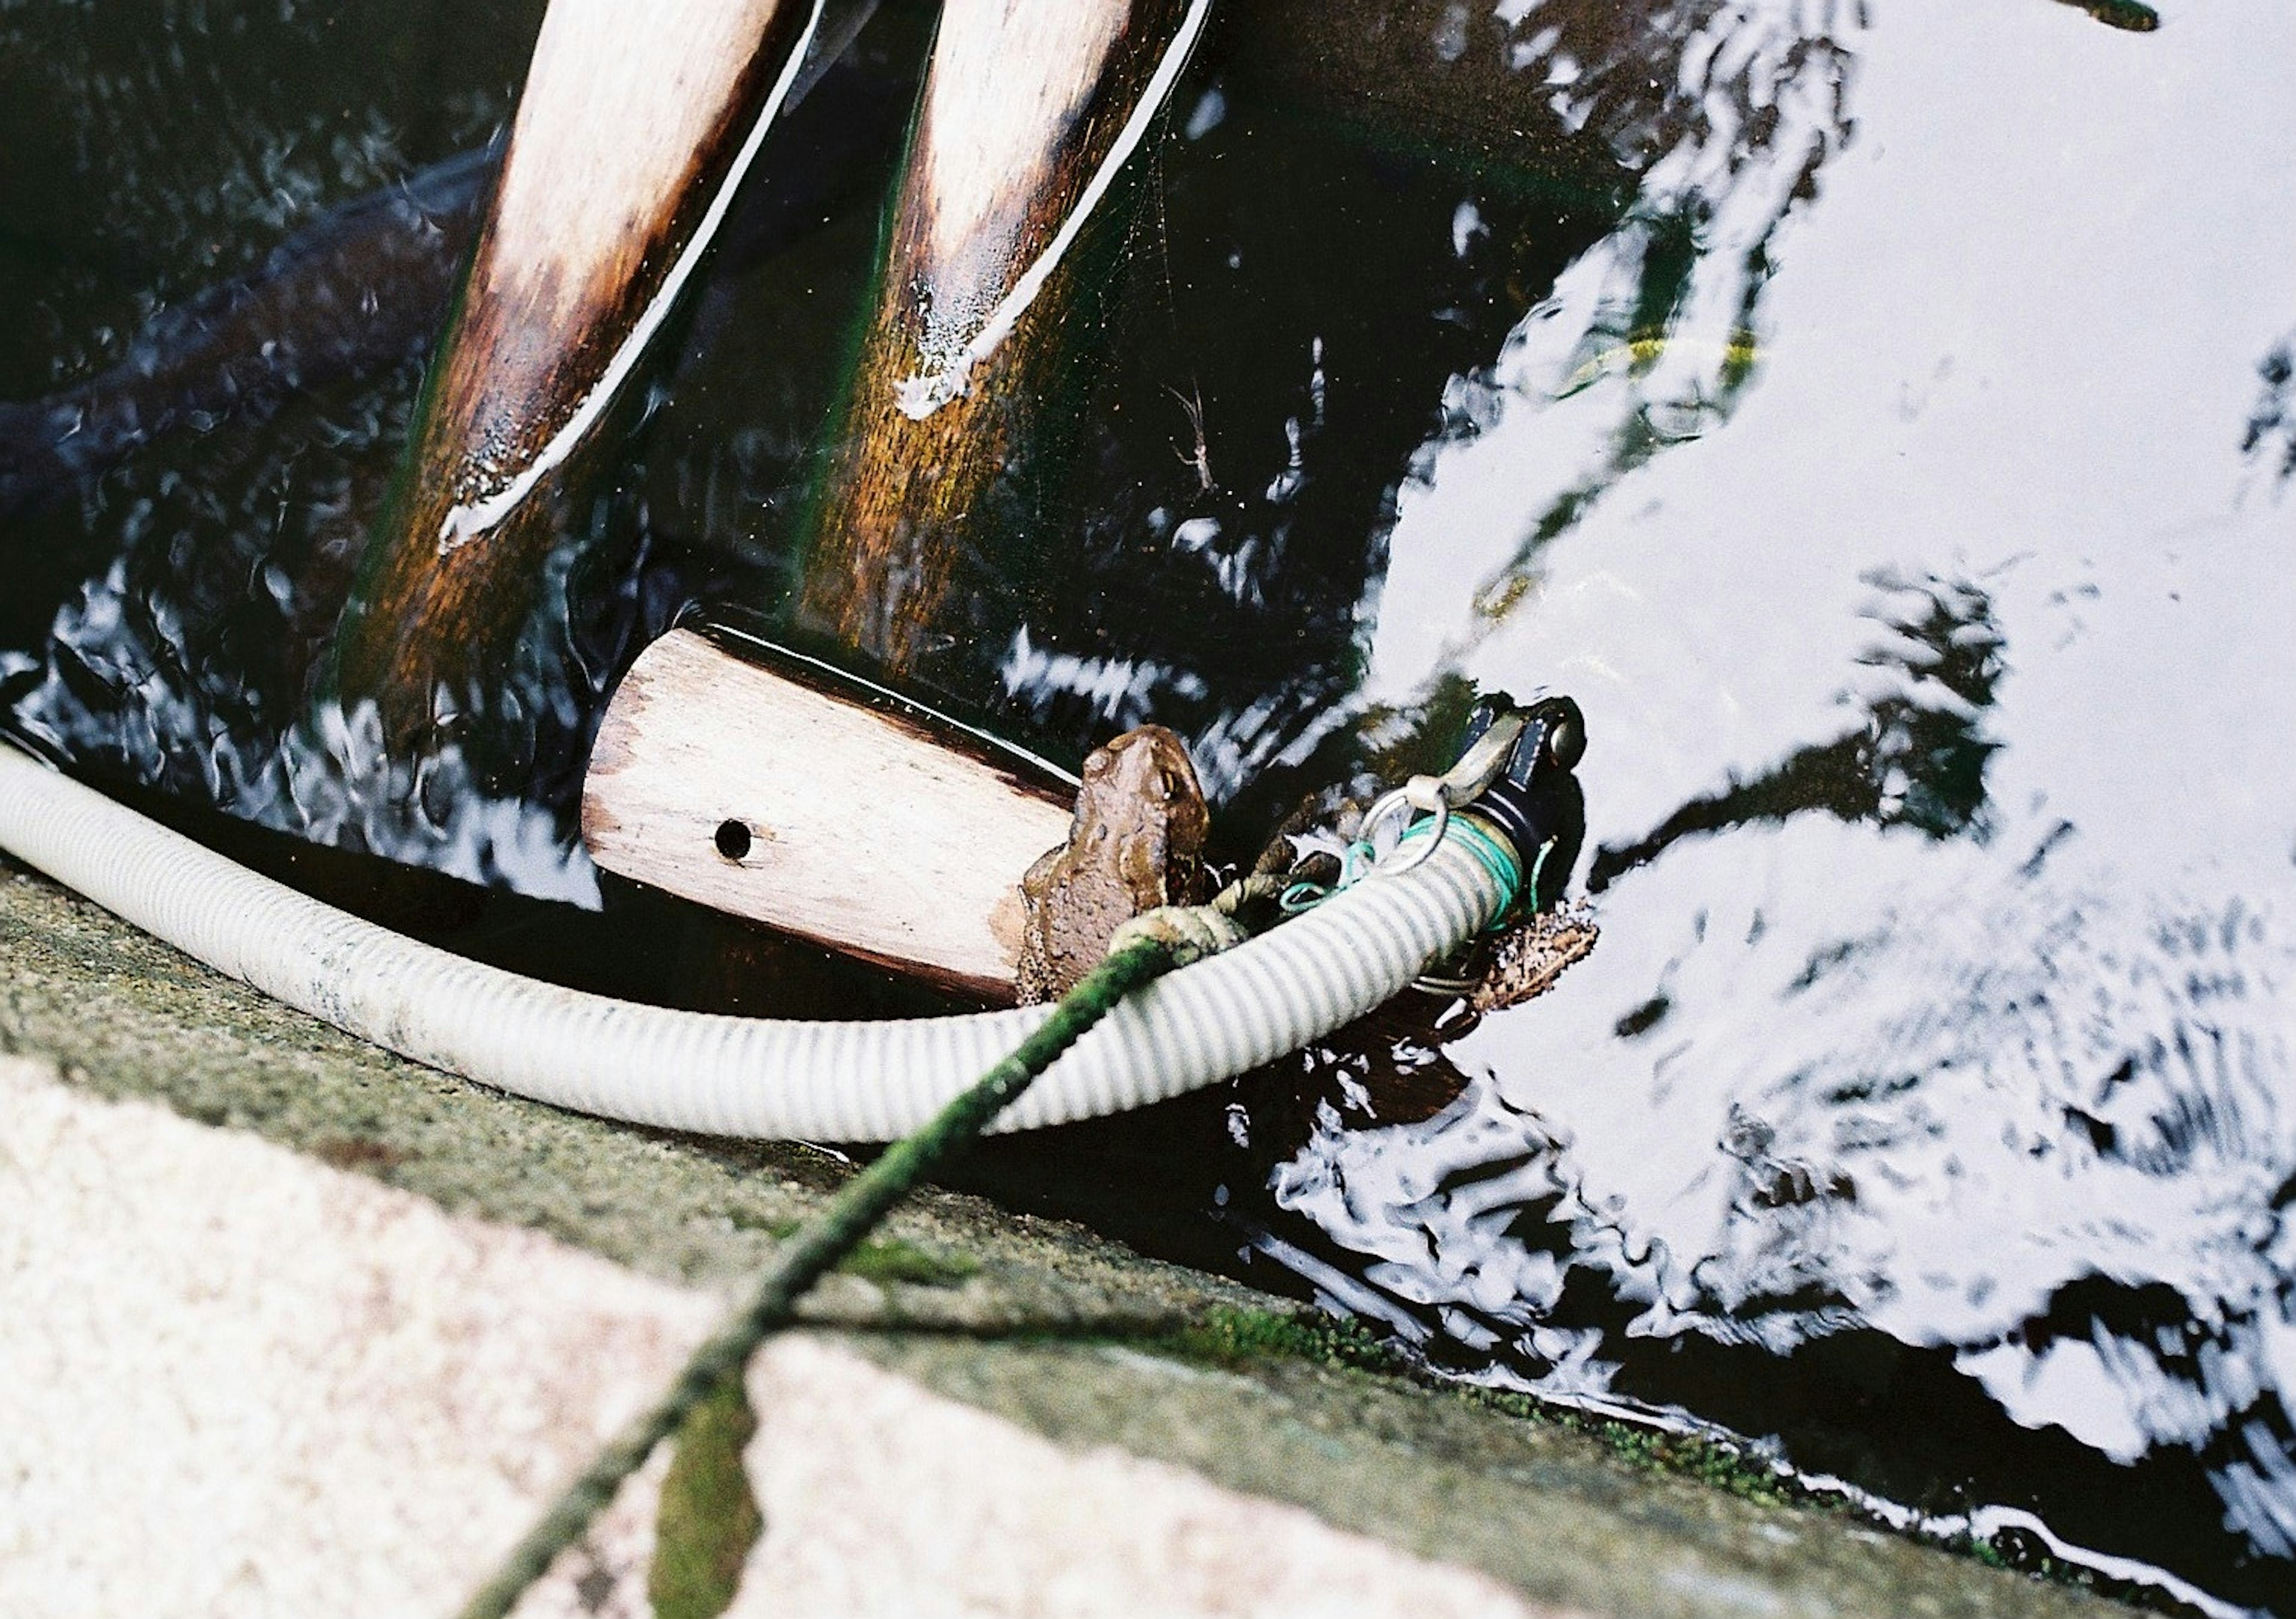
x: 1940, y: 1037
x: 2271, y: 435
x: 1858, y: 408
x: 1917, y: 754
x: 1657, y: 329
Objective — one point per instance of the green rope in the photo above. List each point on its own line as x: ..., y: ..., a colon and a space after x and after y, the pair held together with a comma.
x: 816, y: 1250
x: 1494, y: 857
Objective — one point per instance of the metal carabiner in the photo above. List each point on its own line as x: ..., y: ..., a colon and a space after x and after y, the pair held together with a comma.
x: 1435, y: 795
x: 1438, y: 804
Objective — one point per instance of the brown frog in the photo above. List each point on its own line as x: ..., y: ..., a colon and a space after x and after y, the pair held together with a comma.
x: 1137, y: 843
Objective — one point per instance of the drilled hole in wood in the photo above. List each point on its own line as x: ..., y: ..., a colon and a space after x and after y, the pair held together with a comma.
x: 733, y: 840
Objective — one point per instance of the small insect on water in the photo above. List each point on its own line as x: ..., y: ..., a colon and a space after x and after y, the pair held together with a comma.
x: 1198, y: 455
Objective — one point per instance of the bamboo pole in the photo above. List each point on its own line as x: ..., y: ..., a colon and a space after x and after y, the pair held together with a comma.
x: 636, y: 124
x: 1029, y: 113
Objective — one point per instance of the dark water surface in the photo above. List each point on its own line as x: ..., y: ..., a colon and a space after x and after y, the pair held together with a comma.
x: 1881, y: 419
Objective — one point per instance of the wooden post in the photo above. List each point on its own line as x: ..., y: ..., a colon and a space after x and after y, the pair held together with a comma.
x: 636, y: 124
x: 1029, y: 111
x: 803, y: 798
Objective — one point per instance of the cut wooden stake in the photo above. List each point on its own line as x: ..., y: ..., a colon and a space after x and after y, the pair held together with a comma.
x: 797, y: 797
x: 636, y: 124
x: 1029, y: 111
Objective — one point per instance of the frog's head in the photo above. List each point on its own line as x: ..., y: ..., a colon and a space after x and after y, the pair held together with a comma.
x: 1144, y: 781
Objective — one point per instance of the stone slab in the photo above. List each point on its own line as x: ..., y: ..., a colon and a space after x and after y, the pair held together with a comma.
x: 238, y: 1381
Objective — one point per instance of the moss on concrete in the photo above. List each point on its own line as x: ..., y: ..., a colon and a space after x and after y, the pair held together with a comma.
x: 708, y: 1518
x: 1230, y: 1337
x: 125, y: 1016
x: 1716, y: 1463
x: 890, y: 1259
x: 1226, y: 1336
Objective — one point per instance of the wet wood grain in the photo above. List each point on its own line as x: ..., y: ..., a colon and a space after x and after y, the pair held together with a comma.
x: 766, y: 797
x: 628, y: 126
x: 1025, y: 101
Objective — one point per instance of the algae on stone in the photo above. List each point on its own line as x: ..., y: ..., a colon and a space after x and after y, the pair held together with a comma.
x: 709, y: 1517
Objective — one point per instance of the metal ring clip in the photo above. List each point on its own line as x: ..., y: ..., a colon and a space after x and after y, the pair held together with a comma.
x: 1400, y: 798
x: 1435, y: 795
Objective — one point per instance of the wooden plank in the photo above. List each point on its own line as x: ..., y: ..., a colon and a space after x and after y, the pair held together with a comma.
x: 782, y: 798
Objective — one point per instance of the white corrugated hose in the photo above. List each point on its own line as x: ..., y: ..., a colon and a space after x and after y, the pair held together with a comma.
x: 762, y: 1078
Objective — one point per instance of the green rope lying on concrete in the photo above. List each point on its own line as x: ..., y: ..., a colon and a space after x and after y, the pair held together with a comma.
x: 817, y: 1249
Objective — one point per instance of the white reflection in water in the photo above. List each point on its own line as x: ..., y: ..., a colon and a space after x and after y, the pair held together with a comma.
x: 1822, y: 1073
x: 124, y: 684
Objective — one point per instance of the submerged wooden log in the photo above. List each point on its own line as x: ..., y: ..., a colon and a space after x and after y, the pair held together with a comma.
x: 359, y: 289
x: 799, y: 798
x: 1029, y: 111
x: 635, y: 125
